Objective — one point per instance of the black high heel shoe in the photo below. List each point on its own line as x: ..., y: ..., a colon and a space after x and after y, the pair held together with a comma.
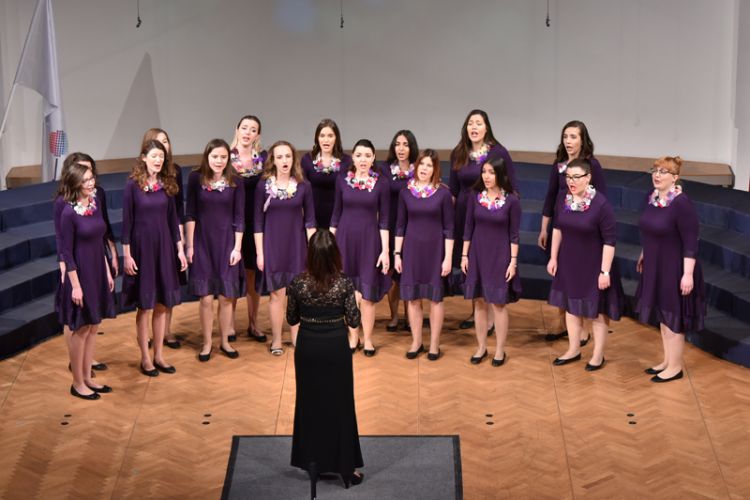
x: 353, y: 480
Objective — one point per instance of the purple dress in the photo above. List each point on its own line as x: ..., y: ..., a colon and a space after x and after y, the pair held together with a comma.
x: 461, y: 182
x: 179, y: 202
x: 250, y: 180
x: 217, y: 216
x: 579, y: 262
x: 668, y: 235
x: 323, y: 188
x: 425, y: 224
x: 57, y: 209
x: 396, y: 185
x: 283, y: 224
x: 82, y: 241
x: 359, y: 215
x: 491, y: 232
x: 151, y: 227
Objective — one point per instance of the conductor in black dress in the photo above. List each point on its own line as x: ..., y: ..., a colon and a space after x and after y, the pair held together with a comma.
x: 322, y: 300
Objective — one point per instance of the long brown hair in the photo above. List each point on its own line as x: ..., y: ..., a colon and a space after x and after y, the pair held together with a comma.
x: 205, y: 170
x: 72, y: 181
x: 323, y: 259
x: 432, y: 155
x: 460, y: 154
x: 70, y: 160
x: 269, y: 169
x: 165, y: 175
x: 151, y: 135
x: 587, y: 145
x: 338, y: 148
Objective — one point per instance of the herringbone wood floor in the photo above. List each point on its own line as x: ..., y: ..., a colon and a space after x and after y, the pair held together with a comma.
x: 528, y: 430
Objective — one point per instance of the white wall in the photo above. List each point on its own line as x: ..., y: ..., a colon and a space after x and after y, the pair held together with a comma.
x: 649, y: 77
x: 742, y: 108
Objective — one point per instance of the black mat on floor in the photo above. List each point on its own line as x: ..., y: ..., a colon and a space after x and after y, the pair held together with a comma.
x: 396, y: 467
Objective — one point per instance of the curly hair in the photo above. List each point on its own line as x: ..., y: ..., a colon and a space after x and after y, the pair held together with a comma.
x: 166, y: 175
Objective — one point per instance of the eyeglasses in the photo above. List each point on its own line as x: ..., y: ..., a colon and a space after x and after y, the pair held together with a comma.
x: 660, y: 171
x: 575, y: 178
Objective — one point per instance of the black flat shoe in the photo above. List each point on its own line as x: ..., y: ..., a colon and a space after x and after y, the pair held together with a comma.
x: 230, y: 354
x: 99, y: 367
x: 434, y: 356
x: 205, y: 357
x: 551, y: 337
x: 90, y: 397
x: 659, y: 380
x: 105, y: 389
x: 369, y: 352
x: 491, y: 331
x: 358, y: 346
x: 172, y: 344
x: 353, y: 480
x: 258, y: 338
x: 475, y: 360
x: 391, y: 328
x: 652, y: 371
x: 585, y: 341
x: 560, y: 361
x: 165, y: 369
x: 593, y: 368
x: 232, y: 338
x: 466, y: 324
x: 414, y: 354
x: 149, y: 373
x: 499, y: 362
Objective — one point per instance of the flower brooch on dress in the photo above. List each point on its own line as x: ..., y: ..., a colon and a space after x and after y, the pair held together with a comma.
x: 152, y: 188
x: 580, y: 206
x: 561, y: 167
x: 362, y: 184
x: 219, y: 185
x: 673, y: 192
x: 481, y: 155
x: 255, y: 167
x: 398, y: 174
x: 492, y: 205
x: 421, y: 191
x: 85, y: 211
x: 274, y: 191
x: 318, y: 166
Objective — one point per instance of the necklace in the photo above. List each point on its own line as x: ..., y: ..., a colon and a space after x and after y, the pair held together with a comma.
x: 88, y: 210
x: 481, y: 155
x: 580, y: 206
x: 421, y: 191
x: 489, y: 204
x: 255, y: 167
x: 362, y: 184
x: 219, y: 185
x: 318, y: 166
x: 673, y: 192
x: 398, y: 174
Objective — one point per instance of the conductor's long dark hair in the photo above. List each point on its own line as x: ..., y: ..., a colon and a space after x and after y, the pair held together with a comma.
x: 501, y: 175
x: 323, y: 259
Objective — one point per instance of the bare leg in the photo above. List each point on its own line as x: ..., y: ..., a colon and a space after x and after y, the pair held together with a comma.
x: 415, y: 323
x: 77, y: 362
x: 575, y: 325
x: 501, y: 329
x: 393, y: 297
x: 159, y: 326
x: 88, y: 356
x: 253, y: 302
x: 676, y: 345
x: 437, y: 314
x: 141, y: 326
x: 207, y: 321
x: 665, y: 345
x: 480, y: 326
x: 226, y: 320
x: 367, y: 309
x: 600, y: 327
x: 276, y: 307
x: 168, y: 335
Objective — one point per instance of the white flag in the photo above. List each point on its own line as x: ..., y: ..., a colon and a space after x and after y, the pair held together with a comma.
x: 37, y: 70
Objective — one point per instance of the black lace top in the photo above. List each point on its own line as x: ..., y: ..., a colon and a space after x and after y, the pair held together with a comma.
x: 304, y: 301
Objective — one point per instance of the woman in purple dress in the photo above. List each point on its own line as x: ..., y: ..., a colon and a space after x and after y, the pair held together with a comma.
x: 247, y: 157
x: 151, y: 244
x: 399, y: 169
x: 322, y: 167
x: 586, y: 282
x: 215, y: 216
x: 575, y: 142
x: 284, y: 220
x: 360, y: 223
x: 424, y: 248
x: 477, y: 143
x: 161, y: 135
x: 490, y: 255
x: 57, y: 209
x: 671, y: 289
x: 86, y: 295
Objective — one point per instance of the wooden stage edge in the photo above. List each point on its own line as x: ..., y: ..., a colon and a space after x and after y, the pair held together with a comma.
x: 719, y: 174
x: 528, y: 430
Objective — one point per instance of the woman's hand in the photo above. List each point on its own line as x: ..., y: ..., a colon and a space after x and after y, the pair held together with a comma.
x: 128, y: 263
x: 189, y: 255
x: 259, y: 262
x: 110, y: 282
x: 115, y: 266
x: 639, y: 264
x: 510, y: 272
x: 604, y: 281
x: 397, y: 263
x: 77, y: 296
x: 384, y: 261
x: 686, y: 284
x: 183, y: 260
x: 464, y: 264
x: 541, y: 241
x: 552, y: 267
x: 445, y: 268
x: 234, y: 257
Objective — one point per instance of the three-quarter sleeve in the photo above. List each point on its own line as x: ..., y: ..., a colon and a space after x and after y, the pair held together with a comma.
x: 688, y: 226
x: 607, y: 224
x: 259, y: 215
x: 308, y: 206
x: 57, y: 209
x: 179, y: 197
x: 292, y: 303
x: 514, y: 218
x: 553, y: 186
x: 351, y: 311
x: 101, y: 196
x: 597, y: 176
x: 238, y: 217
x: 67, y: 239
x: 173, y: 219
x: 448, y: 214
x: 384, y: 203
x: 193, y: 189
x: 402, y: 214
x: 469, y: 222
x: 337, y: 202
x: 128, y: 212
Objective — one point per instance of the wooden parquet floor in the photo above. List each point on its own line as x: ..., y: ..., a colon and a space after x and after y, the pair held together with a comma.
x: 528, y: 429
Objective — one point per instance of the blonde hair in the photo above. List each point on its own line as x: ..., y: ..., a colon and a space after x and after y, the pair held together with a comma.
x: 256, y: 145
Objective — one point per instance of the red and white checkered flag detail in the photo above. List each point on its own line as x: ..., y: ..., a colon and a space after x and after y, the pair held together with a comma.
x: 58, y: 143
